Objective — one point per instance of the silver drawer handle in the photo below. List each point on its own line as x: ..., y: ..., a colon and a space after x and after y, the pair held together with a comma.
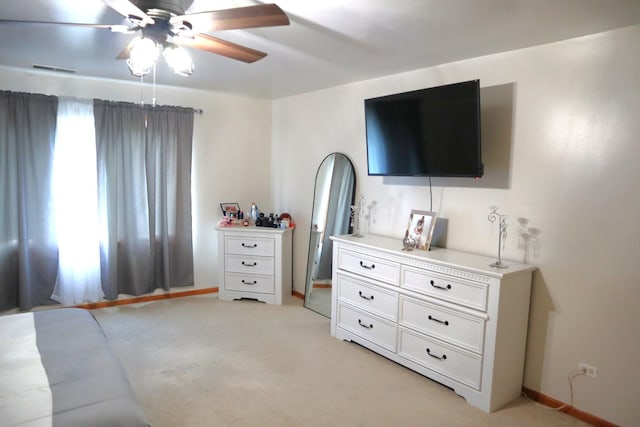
x: 446, y: 288
x: 249, y: 283
x: 444, y: 322
x: 244, y: 245
x: 368, y: 267
x: 443, y: 357
x: 369, y: 326
x: 365, y: 297
x: 246, y: 264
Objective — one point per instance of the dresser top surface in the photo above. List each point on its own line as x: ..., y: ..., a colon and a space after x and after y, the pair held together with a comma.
x: 441, y: 256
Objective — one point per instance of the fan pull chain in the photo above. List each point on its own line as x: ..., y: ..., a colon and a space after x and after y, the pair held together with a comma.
x: 142, y: 90
x: 153, y: 99
x: 142, y: 98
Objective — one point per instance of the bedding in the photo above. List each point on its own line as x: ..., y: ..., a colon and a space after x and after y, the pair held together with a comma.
x: 56, y: 369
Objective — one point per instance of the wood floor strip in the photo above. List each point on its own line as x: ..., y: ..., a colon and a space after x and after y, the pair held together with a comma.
x: 147, y: 298
x: 570, y: 410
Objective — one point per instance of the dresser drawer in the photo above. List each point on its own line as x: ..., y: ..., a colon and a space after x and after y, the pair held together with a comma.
x: 449, y: 325
x: 249, y: 245
x: 462, y: 366
x: 368, y: 326
x: 370, y: 298
x: 249, y: 283
x: 368, y: 266
x: 249, y: 264
x: 470, y: 294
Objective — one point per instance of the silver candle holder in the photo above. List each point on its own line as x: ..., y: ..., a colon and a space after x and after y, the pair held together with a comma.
x: 502, y: 234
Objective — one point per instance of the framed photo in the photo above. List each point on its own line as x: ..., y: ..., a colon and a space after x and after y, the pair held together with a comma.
x: 230, y: 208
x: 420, y: 228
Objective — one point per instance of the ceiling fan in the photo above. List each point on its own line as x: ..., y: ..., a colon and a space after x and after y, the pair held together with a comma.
x: 166, y: 28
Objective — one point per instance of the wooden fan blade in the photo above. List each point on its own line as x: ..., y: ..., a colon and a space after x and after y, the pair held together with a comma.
x: 264, y: 15
x: 129, y: 10
x: 221, y: 47
x: 116, y: 28
x: 124, y: 54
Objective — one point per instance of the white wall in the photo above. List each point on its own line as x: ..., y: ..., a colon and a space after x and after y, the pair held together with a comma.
x: 231, y: 147
x: 571, y: 112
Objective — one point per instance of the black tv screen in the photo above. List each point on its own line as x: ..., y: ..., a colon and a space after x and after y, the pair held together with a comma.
x: 427, y: 132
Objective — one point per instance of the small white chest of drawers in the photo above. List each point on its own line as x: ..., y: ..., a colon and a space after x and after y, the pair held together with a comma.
x: 255, y: 263
x: 445, y: 314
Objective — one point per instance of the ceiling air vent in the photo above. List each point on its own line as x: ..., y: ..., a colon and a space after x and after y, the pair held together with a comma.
x: 54, y: 69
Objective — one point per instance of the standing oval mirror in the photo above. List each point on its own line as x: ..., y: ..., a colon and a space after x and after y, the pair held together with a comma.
x: 333, y: 196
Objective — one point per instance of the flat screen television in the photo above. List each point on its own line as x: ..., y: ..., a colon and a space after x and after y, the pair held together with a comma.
x: 427, y: 132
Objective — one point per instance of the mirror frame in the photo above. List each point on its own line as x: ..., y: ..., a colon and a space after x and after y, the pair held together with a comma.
x: 311, y: 254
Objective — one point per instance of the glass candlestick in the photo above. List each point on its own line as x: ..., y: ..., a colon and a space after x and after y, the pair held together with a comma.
x: 356, y: 213
x: 502, y: 234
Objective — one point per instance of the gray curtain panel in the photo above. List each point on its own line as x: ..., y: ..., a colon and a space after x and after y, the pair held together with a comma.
x: 144, y: 191
x: 28, y: 249
x: 169, y: 152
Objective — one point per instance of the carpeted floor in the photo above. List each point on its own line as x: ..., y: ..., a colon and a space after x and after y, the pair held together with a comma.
x: 197, y: 362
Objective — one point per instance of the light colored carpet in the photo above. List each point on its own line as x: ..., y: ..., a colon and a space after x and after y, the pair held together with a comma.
x: 200, y: 362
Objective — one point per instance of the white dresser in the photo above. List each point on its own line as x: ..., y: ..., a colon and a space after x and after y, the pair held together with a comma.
x: 255, y: 262
x: 443, y: 313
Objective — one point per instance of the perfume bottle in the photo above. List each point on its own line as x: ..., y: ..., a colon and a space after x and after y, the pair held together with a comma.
x: 253, y: 212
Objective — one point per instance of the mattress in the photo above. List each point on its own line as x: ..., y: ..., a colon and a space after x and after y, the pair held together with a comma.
x: 56, y: 369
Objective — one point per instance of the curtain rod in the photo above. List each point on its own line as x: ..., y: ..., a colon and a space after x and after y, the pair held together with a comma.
x: 142, y: 104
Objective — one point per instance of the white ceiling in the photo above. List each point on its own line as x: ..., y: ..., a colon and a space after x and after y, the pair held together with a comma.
x: 329, y: 42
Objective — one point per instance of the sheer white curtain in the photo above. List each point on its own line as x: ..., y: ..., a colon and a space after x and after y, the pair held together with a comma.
x: 76, y: 204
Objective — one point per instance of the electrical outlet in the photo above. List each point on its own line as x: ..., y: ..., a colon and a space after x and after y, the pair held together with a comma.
x: 590, y: 371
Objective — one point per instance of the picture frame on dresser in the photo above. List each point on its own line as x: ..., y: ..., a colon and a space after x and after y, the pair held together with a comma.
x: 420, y: 228
x: 230, y: 208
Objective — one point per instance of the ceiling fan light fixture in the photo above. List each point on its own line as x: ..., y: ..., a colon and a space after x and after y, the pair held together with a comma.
x: 143, y: 56
x: 179, y: 60
x: 165, y: 26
